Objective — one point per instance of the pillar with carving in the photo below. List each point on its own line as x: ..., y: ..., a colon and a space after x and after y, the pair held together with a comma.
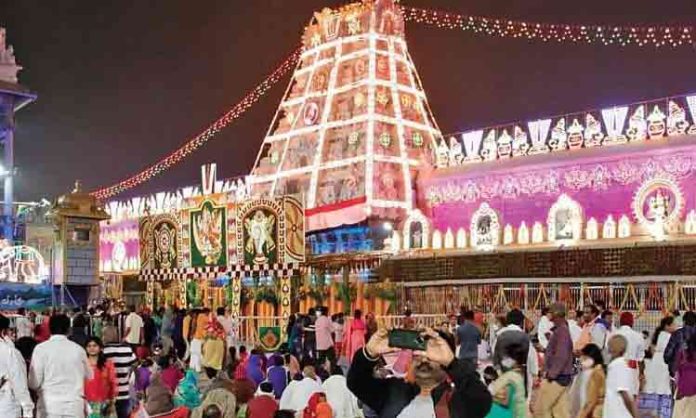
x: 182, y: 293
x: 236, y: 300
x: 285, y: 300
x: 149, y: 294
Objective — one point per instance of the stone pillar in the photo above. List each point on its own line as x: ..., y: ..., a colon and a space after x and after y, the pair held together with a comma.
x: 7, y: 125
x: 13, y: 97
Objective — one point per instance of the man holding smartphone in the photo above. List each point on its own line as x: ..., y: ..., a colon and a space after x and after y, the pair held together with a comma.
x: 431, y: 396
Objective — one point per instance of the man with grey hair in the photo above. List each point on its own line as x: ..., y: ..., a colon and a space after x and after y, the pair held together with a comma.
x: 552, y: 401
x: 618, y: 400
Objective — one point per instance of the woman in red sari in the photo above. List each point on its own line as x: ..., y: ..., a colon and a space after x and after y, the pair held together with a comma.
x: 354, y: 337
x: 102, y: 388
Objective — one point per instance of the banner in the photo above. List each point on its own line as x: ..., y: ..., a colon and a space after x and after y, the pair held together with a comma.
x: 269, y: 338
x: 18, y: 295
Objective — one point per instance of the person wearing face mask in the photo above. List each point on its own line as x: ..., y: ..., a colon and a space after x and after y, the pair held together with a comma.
x: 589, y: 385
x: 427, y: 394
x: 509, y: 397
x: 513, y: 333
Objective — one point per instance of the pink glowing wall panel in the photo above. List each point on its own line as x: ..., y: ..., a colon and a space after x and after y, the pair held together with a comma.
x: 603, y: 180
x: 119, y: 246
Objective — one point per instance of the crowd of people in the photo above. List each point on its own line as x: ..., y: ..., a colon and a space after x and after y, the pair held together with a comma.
x: 172, y: 363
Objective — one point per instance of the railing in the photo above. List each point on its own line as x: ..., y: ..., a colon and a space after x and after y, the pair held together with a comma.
x: 249, y: 325
x: 248, y: 332
x: 655, y: 119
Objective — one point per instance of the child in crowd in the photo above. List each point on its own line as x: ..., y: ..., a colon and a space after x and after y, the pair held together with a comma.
x: 143, y: 375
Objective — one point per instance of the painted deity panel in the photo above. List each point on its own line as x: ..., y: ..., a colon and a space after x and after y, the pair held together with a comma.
x: 208, y: 231
x: 260, y: 237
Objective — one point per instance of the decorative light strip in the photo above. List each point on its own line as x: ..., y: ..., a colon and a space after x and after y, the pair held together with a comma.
x: 383, y: 83
x: 166, y: 202
x: 314, y: 180
x: 370, y: 145
x: 303, y: 103
x: 341, y: 123
x: 193, y: 144
x: 655, y: 35
x: 401, y: 134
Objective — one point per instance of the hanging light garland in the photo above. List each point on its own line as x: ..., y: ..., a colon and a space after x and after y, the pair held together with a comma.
x: 196, y: 142
x: 657, y: 36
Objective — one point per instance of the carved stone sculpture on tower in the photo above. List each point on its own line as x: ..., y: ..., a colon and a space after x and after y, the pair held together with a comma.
x: 8, y: 64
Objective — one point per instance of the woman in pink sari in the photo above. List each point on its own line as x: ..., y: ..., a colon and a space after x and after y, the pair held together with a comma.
x: 354, y: 337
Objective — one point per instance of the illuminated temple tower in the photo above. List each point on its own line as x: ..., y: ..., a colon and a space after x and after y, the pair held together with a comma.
x: 354, y: 125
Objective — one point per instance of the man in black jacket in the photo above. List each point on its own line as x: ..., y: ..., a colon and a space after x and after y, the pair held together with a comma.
x: 431, y: 395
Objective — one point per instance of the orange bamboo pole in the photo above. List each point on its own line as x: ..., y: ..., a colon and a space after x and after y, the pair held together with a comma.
x: 360, y: 299
x: 332, y: 298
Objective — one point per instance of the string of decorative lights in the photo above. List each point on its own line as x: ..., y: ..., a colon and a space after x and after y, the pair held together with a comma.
x: 657, y: 35
x: 196, y: 142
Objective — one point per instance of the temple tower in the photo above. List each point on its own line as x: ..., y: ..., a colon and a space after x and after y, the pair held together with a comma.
x: 354, y: 125
x: 76, y: 216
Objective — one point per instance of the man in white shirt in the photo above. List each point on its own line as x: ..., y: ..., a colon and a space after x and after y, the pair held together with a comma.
x: 635, y: 348
x: 575, y: 328
x: 338, y: 327
x: 25, y: 327
x: 544, y: 328
x: 15, y: 401
x: 58, y: 370
x: 618, y: 400
x: 134, y: 328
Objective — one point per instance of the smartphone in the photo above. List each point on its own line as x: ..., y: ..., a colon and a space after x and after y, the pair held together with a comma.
x: 406, y: 338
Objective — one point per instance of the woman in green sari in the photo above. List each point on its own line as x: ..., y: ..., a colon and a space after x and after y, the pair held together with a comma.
x: 187, y: 393
x: 509, y: 397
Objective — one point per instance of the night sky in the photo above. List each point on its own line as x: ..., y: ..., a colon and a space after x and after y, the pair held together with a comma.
x: 122, y: 83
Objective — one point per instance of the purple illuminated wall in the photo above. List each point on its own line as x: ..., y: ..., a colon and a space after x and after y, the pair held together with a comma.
x: 127, y: 230
x: 603, y: 180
